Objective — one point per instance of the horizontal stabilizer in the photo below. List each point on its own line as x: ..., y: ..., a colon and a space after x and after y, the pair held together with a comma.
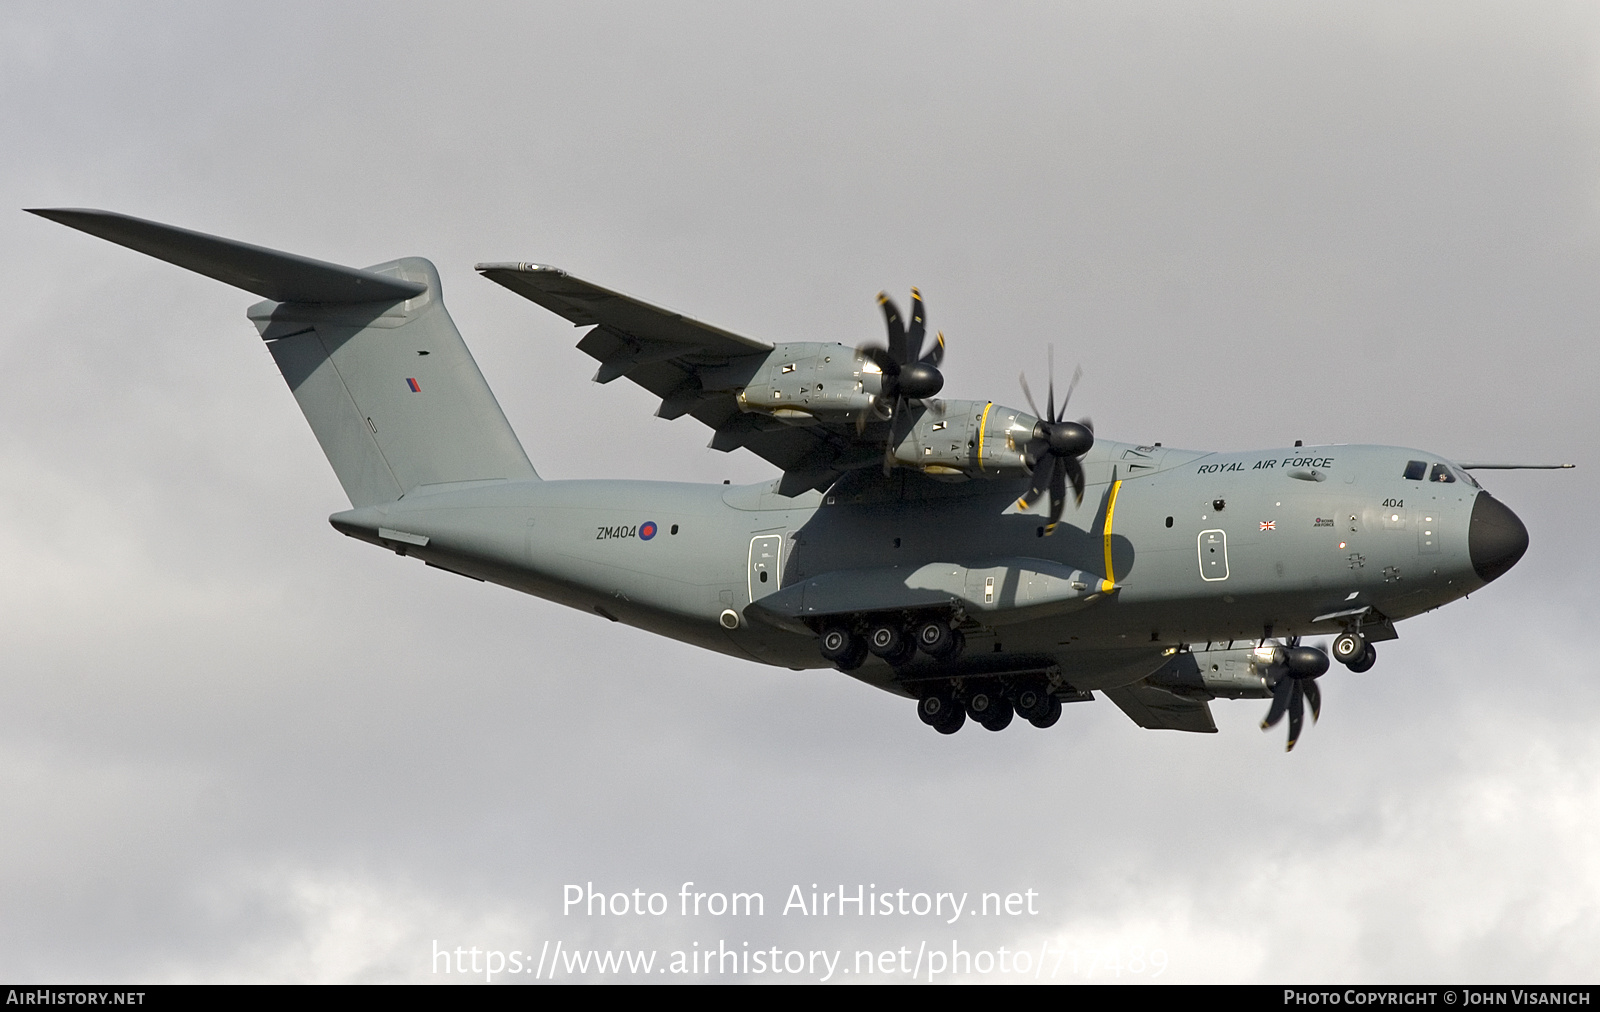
x: 281, y: 277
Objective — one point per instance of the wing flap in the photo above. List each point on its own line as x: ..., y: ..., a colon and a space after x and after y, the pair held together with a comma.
x: 1159, y: 709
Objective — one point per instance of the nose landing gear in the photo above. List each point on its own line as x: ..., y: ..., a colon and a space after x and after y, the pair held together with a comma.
x: 1353, y: 651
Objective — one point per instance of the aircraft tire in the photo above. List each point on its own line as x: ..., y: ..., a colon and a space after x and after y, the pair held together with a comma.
x: 953, y: 723
x: 1031, y: 703
x: 1366, y: 661
x: 982, y: 703
x: 1349, y: 648
x: 935, y: 709
x: 887, y: 641
x: 839, y: 643
x: 1001, y: 716
x: 1050, y: 716
x: 855, y: 658
x: 937, y: 639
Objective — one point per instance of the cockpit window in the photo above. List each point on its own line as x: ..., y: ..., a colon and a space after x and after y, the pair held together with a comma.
x: 1441, y: 473
x: 1467, y: 477
x: 1416, y: 469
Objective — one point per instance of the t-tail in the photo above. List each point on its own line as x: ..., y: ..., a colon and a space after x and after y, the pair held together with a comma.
x: 374, y: 360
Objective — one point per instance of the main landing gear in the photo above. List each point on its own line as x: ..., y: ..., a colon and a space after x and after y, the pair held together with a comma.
x: 991, y: 704
x: 894, y: 640
x: 945, y: 704
x: 1353, y: 651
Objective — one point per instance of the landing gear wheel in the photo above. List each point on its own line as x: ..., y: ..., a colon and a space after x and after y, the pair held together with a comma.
x: 957, y: 717
x: 983, y: 704
x: 1031, y: 704
x: 936, y: 709
x: 1051, y: 714
x: 938, y: 640
x: 843, y: 648
x: 1349, y: 648
x: 884, y: 640
x: 890, y: 643
x: 999, y: 716
x: 1366, y: 661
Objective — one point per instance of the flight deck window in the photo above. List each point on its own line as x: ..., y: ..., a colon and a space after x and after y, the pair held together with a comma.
x: 1416, y: 469
x: 1441, y: 473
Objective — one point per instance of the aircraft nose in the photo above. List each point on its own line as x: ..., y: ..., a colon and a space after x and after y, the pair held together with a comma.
x: 1496, y: 539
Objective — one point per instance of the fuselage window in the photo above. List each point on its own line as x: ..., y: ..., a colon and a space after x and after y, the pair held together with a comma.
x: 1416, y: 469
x: 1441, y: 473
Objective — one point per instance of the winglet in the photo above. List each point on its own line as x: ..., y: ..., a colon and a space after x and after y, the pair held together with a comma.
x: 281, y: 277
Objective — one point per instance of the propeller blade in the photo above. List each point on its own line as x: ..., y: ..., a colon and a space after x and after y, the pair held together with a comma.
x: 1075, y: 472
x: 897, y: 329
x: 1039, y: 480
x: 1296, y: 714
x: 1050, y: 405
x: 1280, y: 703
x: 882, y: 359
x: 888, y: 443
x: 1022, y: 378
x: 935, y: 354
x: 1314, y: 697
x: 919, y: 328
x: 1088, y: 424
x: 1058, y: 491
x: 1077, y: 374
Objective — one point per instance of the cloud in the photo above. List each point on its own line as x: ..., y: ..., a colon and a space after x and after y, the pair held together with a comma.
x: 237, y: 746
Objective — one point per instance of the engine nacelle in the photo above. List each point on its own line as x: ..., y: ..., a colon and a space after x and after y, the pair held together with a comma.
x: 963, y: 438
x: 809, y: 383
x: 1226, y: 674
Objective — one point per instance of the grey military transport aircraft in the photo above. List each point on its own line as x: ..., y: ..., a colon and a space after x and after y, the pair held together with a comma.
x: 981, y: 560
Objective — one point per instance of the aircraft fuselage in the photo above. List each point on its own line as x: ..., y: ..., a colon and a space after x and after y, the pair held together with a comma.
x: 1172, y: 547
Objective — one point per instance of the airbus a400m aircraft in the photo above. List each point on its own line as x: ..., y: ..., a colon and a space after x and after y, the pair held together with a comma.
x: 979, y: 559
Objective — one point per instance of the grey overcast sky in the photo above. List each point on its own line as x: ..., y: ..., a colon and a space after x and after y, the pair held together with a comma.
x: 236, y: 746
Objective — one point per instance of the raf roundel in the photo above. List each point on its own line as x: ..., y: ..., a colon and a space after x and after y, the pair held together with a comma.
x: 647, y: 530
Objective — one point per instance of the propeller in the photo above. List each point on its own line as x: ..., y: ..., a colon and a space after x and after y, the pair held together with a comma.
x: 1055, y: 450
x: 908, y: 373
x: 1296, y: 687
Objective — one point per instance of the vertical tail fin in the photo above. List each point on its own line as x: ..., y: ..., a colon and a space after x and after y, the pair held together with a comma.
x: 375, y: 362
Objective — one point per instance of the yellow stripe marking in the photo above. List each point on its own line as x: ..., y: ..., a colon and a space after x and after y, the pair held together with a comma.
x: 983, y: 423
x: 1110, y: 581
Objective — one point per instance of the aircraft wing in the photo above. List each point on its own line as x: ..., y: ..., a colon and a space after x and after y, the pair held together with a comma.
x: 695, y: 368
x: 1156, y: 708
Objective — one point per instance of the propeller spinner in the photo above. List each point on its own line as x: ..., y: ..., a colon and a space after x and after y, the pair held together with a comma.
x: 1055, y: 450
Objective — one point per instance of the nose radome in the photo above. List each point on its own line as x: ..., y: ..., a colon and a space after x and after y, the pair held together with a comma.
x: 1496, y: 539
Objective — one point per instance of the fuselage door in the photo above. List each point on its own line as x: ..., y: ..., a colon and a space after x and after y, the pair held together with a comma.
x: 766, y: 552
x: 1213, y: 555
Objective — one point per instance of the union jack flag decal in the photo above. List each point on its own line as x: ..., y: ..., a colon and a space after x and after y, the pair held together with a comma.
x: 1269, y: 525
